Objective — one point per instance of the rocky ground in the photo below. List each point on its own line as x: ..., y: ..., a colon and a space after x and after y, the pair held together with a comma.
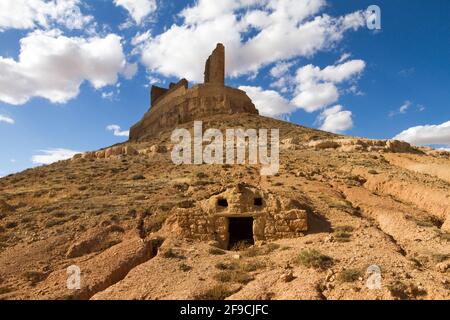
x: 369, y: 202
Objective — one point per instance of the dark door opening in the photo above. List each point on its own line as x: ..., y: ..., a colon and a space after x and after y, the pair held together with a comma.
x: 241, y: 233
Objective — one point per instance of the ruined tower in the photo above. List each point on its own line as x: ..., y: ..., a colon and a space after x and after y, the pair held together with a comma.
x: 215, y: 66
x: 180, y: 104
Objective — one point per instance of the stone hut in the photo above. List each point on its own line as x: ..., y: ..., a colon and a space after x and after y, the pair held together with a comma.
x: 241, y: 213
x: 180, y: 104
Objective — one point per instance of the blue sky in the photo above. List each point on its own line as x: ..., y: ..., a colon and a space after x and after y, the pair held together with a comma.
x: 69, y: 69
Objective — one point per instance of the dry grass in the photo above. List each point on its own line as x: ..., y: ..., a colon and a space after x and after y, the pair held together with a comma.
x: 314, y: 259
x: 218, y: 292
x: 237, y: 276
x: 349, y: 275
x: 34, y: 277
x: 216, y: 251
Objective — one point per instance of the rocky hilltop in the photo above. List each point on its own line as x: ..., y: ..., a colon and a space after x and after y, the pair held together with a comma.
x: 344, y: 218
x: 180, y: 104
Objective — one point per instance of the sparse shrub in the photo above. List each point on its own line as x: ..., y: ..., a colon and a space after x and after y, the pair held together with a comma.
x: 233, y: 276
x: 241, y: 245
x: 260, y: 251
x: 2, y: 229
x: 201, y: 175
x: 59, y: 214
x: 26, y: 220
x: 270, y: 247
x: 181, y: 186
x: 252, y: 252
x: 116, y: 228
x: 439, y: 257
x: 398, y: 289
x: 186, y: 204
x: 349, y: 275
x: 226, y: 266
x: 445, y: 236
x: 34, y: 277
x: 218, y: 292
x: 314, y: 259
x: 11, y: 225
x: 184, y: 267
x: 216, y: 251
x: 171, y: 254
x: 54, y: 222
x: 251, y: 266
x: 155, y: 222
x: 343, y: 233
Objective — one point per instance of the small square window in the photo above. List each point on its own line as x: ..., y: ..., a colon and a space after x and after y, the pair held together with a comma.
x: 222, y: 202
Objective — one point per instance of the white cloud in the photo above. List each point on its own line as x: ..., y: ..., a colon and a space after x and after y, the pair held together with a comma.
x: 255, y: 33
x: 335, y: 120
x: 29, y: 14
x: 53, y: 66
x: 280, y: 69
x: 268, y: 102
x: 108, y: 95
x: 404, y: 107
x: 52, y: 155
x: 427, y: 135
x: 316, y: 88
x: 344, y: 57
x: 117, y: 130
x: 6, y: 119
x: 138, y: 9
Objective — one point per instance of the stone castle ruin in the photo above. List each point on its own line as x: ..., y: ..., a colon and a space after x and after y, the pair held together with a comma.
x: 180, y: 104
x: 242, y: 213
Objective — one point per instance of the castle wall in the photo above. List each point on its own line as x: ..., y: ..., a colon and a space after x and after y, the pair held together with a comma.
x: 156, y: 93
x: 182, y: 105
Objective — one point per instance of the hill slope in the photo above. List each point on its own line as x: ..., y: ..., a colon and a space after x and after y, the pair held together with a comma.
x: 368, y: 202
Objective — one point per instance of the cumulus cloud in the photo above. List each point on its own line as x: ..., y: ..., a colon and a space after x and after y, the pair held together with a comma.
x: 117, y: 130
x: 138, y: 9
x: 256, y: 33
x: 268, y: 102
x: 317, y: 88
x: 53, y: 66
x: 6, y: 119
x: 335, y: 119
x: 49, y: 156
x: 280, y: 69
x: 29, y: 14
x: 427, y: 134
